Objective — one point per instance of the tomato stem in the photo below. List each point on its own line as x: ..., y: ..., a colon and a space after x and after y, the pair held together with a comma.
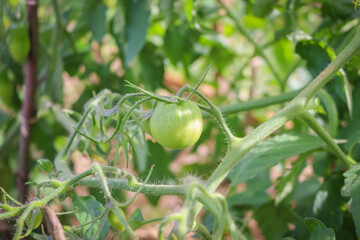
x: 320, y: 131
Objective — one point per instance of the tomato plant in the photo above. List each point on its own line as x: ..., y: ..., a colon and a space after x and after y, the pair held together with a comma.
x: 176, y: 125
x: 175, y: 118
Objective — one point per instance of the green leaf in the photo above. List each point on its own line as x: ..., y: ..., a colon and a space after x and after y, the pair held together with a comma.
x: 317, y: 56
x: 337, y: 9
x: 355, y: 209
x: 352, y: 189
x: 255, y: 194
x: 283, y: 54
x: 125, y: 144
x: 219, y: 51
x: 352, y: 181
x: 352, y: 141
x: 318, y: 230
x: 328, y: 203
x: 189, y: 5
x: 273, y: 220
x: 161, y: 159
x: 45, y: 165
x: 141, y: 149
x: 179, y: 44
x: 72, y: 62
x: 262, y: 8
x: 96, y: 20
x: 55, y: 83
x: 136, y: 219
x: 289, y: 179
x: 152, y: 67
x: 270, y: 152
x: 169, y: 10
x: 87, y: 210
x: 137, y: 24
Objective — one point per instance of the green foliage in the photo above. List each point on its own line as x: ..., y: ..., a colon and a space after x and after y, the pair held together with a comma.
x: 318, y: 230
x: 88, y: 210
x: 270, y: 152
x: 104, y: 65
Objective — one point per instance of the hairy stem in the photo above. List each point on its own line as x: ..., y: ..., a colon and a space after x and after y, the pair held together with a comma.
x: 260, y: 103
x: 116, y: 183
x: 329, y: 72
x: 320, y: 131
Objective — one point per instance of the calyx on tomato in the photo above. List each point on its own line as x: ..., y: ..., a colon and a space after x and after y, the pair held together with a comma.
x: 176, y: 126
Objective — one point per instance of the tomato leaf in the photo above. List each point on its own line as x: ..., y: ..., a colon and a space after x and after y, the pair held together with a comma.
x: 55, y: 86
x: 161, y: 158
x: 152, y: 67
x: 273, y: 220
x: 337, y: 9
x: 178, y: 44
x: 352, y: 141
x: 328, y: 203
x: 317, y: 56
x: 189, y: 5
x: 96, y: 20
x: 136, y: 219
x: 255, y: 194
x: 289, y: 179
x: 262, y: 8
x: 45, y: 165
x: 87, y: 210
x: 270, y: 152
x: 137, y: 24
x: 352, y: 189
x: 318, y: 230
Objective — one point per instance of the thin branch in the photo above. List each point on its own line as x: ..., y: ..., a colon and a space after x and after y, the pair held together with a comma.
x: 27, y: 113
x: 320, y: 131
x: 53, y: 224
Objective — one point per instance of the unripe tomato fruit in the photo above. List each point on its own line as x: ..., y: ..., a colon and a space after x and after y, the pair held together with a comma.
x: 176, y: 125
x: 38, y: 219
x: 114, y: 221
x: 19, y: 43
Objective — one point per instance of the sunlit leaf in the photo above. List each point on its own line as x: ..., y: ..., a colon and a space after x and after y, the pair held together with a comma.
x: 270, y: 152
x: 318, y: 230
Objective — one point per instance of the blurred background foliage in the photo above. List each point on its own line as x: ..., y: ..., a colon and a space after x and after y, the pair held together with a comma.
x: 258, y: 49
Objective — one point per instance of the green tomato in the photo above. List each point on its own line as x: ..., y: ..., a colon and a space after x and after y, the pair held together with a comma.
x: 19, y: 43
x: 6, y: 88
x: 176, y: 125
x: 38, y: 219
x: 114, y: 221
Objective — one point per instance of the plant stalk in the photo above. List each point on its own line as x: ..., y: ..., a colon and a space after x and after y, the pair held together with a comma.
x: 320, y: 131
x: 27, y: 112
